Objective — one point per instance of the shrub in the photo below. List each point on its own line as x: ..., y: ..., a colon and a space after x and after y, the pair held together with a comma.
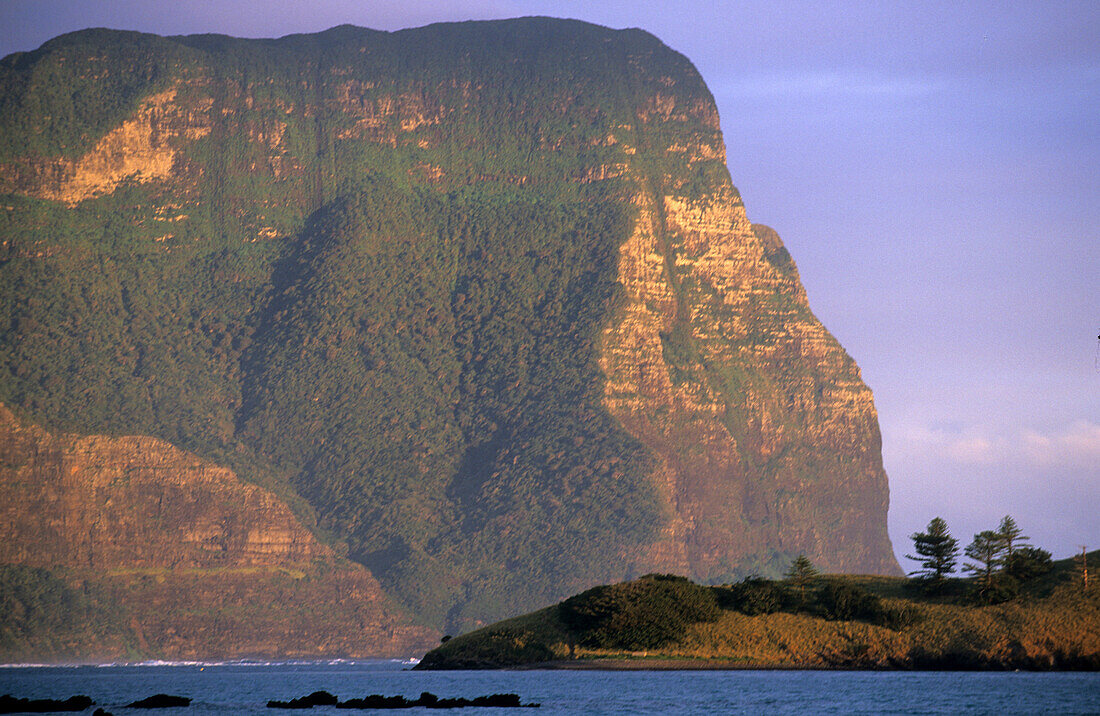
x: 846, y: 602
x: 643, y: 614
x: 1001, y: 589
x: 1027, y: 563
x: 755, y: 595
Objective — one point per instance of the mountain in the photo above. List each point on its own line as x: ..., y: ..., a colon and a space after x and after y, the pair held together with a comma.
x: 477, y: 302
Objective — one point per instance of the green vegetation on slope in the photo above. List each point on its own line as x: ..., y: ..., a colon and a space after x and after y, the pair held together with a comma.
x: 63, y: 96
x: 644, y: 614
x: 430, y: 393
x: 405, y: 354
x: 43, y: 617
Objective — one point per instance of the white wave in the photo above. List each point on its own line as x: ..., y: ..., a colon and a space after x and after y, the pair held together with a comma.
x: 156, y: 663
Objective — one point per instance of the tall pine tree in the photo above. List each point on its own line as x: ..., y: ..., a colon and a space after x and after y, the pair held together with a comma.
x: 937, y: 551
x: 1012, y: 537
x: 986, y: 553
x: 801, y: 572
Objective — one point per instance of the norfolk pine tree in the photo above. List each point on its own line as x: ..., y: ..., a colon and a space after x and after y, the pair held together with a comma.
x: 1011, y: 535
x: 986, y: 551
x: 801, y: 572
x: 937, y: 551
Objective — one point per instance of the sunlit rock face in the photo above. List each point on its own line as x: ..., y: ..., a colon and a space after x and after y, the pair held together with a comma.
x: 142, y: 148
x: 194, y: 563
x: 110, y: 503
x: 479, y: 300
x: 768, y: 439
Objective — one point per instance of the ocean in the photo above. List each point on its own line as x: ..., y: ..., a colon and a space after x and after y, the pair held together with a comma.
x: 245, y: 688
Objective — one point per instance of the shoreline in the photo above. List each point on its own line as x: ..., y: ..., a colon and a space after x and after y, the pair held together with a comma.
x: 408, y: 661
x: 684, y: 664
x: 582, y: 664
x: 675, y: 664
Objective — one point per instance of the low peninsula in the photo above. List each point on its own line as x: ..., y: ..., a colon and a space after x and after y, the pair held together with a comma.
x: 1048, y: 622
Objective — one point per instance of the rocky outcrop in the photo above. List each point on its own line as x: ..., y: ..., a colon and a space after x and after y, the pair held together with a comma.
x: 204, y: 565
x: 135, y: 502
x: 143, y: 148
x: 767, y: 437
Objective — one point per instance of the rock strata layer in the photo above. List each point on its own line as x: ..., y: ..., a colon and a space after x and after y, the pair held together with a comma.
x: 200, y: 564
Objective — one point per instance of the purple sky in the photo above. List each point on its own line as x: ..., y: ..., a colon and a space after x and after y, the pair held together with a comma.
x: 934, y: 169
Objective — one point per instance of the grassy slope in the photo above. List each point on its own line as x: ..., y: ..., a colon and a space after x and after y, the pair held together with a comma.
x: 1054, y: 624
x: 1058, y: 632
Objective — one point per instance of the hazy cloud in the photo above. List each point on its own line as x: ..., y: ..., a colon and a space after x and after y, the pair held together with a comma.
x: 831, y: 83
x: 1077, y: 446
x: 969, y: 447
x: 1074, y: 446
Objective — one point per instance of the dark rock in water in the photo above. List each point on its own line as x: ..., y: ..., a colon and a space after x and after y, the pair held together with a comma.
x: 323, y: 698
x: 378, y: 701
x: 501, y: 701
x: 101, y: 712
x: 11, y: 705
x: 491, y: 701
x: 317, y: 698
x: 160, y: 701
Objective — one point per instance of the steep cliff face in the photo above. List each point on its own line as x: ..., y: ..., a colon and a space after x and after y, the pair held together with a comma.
x: 135, y: 502
x: 143, y: 148
x: 768, y: 438
x: 483, y: 295
x: 193, y: 562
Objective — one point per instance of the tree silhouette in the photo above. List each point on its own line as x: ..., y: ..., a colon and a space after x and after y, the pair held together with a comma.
x: 985, y: 551
x: 937, y: 551
x: 1011, y: 535
x: 801, y: 572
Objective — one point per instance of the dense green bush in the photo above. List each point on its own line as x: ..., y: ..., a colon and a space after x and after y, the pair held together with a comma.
x: 846, y: 602
x: 1001, y: 589
x: 755, y: 595
x: 1019, y: 570
x: 835, y: 599
x: 1023, y: 567
x: 1026, y: 564
x: 643, y: 614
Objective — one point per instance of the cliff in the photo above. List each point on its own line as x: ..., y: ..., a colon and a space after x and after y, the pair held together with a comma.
x: 168, y: 556
x: 479, y: 301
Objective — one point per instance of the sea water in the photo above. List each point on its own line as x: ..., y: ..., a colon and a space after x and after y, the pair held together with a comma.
x: 245, y: 688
